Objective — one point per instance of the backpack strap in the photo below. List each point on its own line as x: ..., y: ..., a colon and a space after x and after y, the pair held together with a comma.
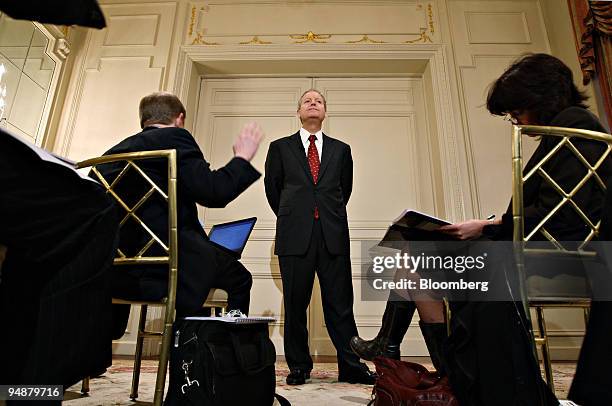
x: 281, y: 400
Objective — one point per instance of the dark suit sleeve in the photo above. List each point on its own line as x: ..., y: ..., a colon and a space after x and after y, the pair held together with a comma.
x: 347, y: 175
x: 273, y: 179
x: 210, y: 188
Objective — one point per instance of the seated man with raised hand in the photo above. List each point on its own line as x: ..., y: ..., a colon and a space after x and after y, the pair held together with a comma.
x: 201, y: 265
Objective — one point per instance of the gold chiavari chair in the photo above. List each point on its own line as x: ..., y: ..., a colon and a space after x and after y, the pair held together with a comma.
x: 168, y: 245
x: 530, y: 296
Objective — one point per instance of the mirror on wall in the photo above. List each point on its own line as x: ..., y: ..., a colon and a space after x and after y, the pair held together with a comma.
x: 28, y: 69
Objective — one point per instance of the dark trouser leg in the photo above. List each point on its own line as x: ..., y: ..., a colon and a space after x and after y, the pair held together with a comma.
x: 120, y: 317
x: 297, y: 273
x: 334, y: 272
x: 203, y: 266
x: 236, y: 280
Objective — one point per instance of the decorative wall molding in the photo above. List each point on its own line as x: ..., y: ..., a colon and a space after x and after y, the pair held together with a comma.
x: 192, y: 59
x: 486, y: 39
x: 423, y: 37
x: 277, y: 21
x: 115, y: 57
x: 62, y: 48
x: 366, y: 39
x: 480, y: 25
x: 255, y: 40
x: 310, y: 37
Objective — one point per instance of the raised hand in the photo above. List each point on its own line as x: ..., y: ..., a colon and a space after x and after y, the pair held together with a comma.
x: 248, y: 141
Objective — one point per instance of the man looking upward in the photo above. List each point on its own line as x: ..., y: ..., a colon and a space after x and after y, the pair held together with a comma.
x: 308, y: 181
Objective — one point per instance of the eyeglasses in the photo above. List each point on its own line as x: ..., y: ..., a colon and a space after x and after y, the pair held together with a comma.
x: 510, y: 117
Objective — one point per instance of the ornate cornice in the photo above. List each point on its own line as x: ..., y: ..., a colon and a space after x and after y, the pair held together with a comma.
x: 198, y: 34
x: 423, y: 37
x: 255, y: 41
x: 62, y: 48
x: 310, y: 37
x: 367, y: 40
x: 199, y: 40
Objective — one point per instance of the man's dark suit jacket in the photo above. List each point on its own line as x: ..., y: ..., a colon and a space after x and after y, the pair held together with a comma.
x: 197, y: 183
x: 293, y: 194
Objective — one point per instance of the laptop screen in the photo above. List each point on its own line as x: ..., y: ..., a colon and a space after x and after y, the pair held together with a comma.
x: 234, y: 235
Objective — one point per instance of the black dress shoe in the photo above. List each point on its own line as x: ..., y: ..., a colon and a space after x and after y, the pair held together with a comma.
x: 297, y: 376
x: 358, y: 375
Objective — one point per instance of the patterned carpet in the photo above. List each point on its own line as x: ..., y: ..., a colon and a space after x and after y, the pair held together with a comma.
x: 113, y: 387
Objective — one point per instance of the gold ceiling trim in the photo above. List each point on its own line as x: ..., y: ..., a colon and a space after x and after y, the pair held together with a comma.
x: 256, y: 41
x: 423, y: 37
x: 310, y: 37
x: 199, y: 40
x: 192, y: 22
x: 366, y: 39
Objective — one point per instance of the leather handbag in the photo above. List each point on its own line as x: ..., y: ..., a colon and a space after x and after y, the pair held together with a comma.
x: 403, y: 383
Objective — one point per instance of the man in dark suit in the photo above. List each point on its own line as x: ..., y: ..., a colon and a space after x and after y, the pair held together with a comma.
x: 308, y: 180
x: 201, y: 265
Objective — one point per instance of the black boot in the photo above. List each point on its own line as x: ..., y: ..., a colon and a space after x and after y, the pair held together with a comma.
x: 395, y: 322
x: 435, y: 334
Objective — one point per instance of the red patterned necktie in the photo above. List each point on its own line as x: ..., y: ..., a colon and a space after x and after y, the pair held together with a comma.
x: 314, y: 163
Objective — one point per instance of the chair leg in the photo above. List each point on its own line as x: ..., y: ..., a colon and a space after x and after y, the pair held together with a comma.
x: 447, y: 316
x: 545, y: 348
x: 138, y: 354
x: 85, y: 386
x: 164, y: 355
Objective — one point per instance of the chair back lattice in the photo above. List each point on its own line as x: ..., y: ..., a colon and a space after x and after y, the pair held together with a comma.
x: 128, y: 164
x: 567, y: 198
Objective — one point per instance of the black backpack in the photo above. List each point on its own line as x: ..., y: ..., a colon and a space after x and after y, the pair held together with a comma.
x: 221, y: 364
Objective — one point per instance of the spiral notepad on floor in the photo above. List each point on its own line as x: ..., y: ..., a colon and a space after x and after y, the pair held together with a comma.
x: 237, y: 320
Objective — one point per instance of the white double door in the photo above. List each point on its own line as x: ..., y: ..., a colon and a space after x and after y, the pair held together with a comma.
x: 383, y: 119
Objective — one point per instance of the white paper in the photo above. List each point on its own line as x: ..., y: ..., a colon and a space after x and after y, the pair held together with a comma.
x: 49, y: 157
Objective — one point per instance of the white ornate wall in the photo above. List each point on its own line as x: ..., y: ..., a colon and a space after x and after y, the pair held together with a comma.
x: 455, y: 47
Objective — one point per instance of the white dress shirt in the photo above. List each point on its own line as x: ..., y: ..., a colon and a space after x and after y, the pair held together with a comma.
x: 305, y: 135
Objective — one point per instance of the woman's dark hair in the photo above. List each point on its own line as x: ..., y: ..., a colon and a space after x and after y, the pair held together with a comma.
x: 536, y: 83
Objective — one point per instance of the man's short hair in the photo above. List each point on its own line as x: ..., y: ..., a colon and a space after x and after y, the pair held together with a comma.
x: 299, y: 103
x: 159, y: 108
